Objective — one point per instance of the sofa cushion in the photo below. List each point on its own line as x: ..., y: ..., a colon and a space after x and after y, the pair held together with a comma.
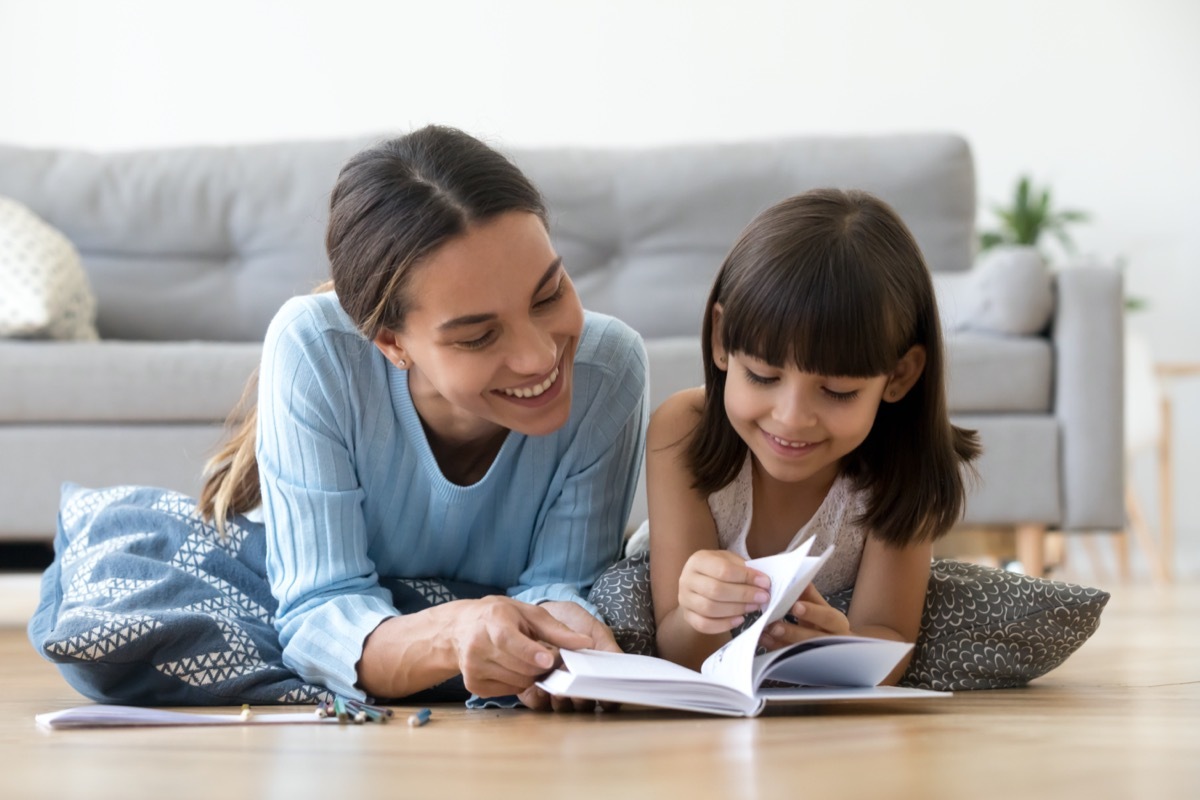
x: 44, y: 292
x: 988, y: 373
x: 1020, y: 465
x: 187, y: 243
x: 207, y: 242
x: 644, y: 231
x: 144, y: 382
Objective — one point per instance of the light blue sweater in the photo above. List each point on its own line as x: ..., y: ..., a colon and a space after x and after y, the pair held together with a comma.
x: 352, y: 492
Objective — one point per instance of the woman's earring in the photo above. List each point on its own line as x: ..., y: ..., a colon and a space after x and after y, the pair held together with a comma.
x: 402, y: 363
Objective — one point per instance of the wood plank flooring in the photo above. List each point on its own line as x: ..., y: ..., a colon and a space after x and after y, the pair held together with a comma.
x: 1121, y: 719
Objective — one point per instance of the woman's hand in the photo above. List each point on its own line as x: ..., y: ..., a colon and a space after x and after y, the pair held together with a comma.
x: 578, y: 619
x: 717, y: 590
x: 504, y: 645
x: 813, y: 617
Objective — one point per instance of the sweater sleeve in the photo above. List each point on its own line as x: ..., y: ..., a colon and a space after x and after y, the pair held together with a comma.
x: 580, y: 534
x: 328, y: 590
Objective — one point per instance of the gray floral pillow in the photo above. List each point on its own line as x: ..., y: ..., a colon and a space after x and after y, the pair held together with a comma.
x: 982, y: 628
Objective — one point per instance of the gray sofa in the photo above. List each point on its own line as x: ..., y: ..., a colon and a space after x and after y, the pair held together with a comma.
x: 190, y: 251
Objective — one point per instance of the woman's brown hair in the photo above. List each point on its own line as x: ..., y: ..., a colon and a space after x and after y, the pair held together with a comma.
x: 391, y: 207
x: 833, y: 282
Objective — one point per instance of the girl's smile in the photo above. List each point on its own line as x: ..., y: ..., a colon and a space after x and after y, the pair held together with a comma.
x: 787, y: 448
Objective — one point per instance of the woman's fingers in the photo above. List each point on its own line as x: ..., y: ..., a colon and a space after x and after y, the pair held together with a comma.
x: 500, y: 647
x: 546, y: 627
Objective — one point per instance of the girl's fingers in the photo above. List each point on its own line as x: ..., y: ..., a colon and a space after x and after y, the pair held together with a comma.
x: 710, y: 624
x: 821, y: 618
x: 705, y: 606
x: 725, y: 567
x: 718, y: 591
x: 811, y: 595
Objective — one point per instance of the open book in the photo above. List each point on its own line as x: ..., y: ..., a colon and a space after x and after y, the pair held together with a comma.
x: 731, y: 680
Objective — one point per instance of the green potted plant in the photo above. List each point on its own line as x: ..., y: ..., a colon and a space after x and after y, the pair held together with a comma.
x: 1032, y: 216
x: 1029, y: 217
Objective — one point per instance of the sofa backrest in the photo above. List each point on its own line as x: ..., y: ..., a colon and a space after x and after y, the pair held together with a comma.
x: 207, y: 242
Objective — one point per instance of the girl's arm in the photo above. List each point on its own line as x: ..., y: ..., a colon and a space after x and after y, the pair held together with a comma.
x: 700, y: 592
x: 889, y: 594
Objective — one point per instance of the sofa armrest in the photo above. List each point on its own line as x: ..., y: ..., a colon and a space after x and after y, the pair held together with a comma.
x: 1088, y: 337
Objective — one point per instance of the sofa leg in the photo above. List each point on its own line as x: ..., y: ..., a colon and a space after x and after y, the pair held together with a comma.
x: 1031, y: 548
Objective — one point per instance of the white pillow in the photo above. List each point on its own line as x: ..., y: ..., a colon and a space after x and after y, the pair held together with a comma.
x: 1010, y: 291
x: 44, y: 292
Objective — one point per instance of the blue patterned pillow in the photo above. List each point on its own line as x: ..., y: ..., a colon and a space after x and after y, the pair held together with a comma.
x: 147, y: 604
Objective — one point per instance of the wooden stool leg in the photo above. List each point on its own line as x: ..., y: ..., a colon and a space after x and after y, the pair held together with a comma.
x: 1166, y: 519
x: 1141, y: 532
x: 1099, y: 569
x: 1121, y: 547
x: 1031, y: 548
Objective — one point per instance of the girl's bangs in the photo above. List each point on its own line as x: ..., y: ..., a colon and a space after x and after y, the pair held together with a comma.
x: 812, y: 319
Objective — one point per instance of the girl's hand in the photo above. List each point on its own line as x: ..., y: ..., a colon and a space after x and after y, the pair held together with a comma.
x: 504, y: 645
x: 814, y: 617
x: 578, y: 619
x: 717, y: 590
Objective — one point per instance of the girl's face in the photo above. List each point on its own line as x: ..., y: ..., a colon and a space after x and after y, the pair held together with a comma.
x: 798, y: 425
x: 490, y: 340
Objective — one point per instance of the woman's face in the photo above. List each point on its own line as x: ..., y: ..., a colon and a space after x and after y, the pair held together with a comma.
x: 491, y: 336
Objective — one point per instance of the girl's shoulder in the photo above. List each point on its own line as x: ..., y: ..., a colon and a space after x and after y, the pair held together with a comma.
x: 675, y: 420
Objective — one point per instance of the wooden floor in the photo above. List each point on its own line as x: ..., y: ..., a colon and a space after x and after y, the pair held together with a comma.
x: 1120, y: 719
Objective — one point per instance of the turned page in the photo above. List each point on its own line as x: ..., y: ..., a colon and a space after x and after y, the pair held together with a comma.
x: 789, y: 572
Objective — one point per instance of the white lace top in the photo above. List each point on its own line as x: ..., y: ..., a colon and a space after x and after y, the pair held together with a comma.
x: 732, y: 509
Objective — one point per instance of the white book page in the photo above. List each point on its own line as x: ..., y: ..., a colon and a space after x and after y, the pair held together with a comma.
x: 626, y: 666
x: 692, y: 693
x: 831, y: 661
x: 789, y: 572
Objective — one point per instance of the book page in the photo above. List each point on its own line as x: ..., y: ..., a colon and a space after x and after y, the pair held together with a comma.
x: 789, y: 572
x: 831, y: 661
x: 601, y: 663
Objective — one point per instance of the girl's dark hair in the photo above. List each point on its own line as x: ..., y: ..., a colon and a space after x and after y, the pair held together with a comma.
x: 833, y: 282
x: 392, y: 206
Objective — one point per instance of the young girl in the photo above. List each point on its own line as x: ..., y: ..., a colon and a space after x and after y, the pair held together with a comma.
x: 823, y: 414
x: 448, y: 412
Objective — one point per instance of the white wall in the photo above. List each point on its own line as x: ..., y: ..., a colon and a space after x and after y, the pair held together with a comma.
x: 1097, y: 97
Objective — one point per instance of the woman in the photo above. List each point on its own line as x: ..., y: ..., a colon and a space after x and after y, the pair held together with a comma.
x: 450, y: 412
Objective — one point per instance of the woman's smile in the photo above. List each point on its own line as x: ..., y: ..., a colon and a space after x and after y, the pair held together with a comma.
x: 536, y: 393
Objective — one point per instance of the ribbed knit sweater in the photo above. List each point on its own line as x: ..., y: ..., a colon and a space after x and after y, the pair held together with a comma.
x: 352, y: 491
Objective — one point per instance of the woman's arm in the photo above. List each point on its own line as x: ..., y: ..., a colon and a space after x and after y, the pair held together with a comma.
x: 500, y: 646
x: 700, y: 591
